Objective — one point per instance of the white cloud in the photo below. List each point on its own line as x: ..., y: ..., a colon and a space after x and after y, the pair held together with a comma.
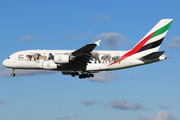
x: 104, y: 77
x: 97, y: 18
x: 2, y: 101
x: 101, y: 18
x: 164, y: 107
x: 78, y: 35
x: 89, y: 102
x: 112, y: 39
x: 84, y: 21
x: 25, y: 38
x: 161, y: 115
x: 132, y: 78
x: 176, y: 38
x: 122, y: 104
x: 174, y: 43
x: 78, y: 116
x: 6, y: 72
x: 144, y: 109
x: 67, y: 117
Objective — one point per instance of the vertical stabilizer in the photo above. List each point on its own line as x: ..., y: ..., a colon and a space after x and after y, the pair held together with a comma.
x: 151, y: 41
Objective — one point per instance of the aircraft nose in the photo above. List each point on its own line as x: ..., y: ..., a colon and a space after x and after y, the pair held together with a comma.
x: 5, y: 63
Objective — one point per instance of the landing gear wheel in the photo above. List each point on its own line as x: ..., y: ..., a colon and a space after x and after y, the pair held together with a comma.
x: 80, y: 76
x: 91, y: 75
x: 73, y: 74
x: 13, y: 74
x: 86, y: 75
x: 76, y: 73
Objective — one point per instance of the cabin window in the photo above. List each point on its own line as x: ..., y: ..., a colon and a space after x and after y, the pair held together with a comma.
x: 8, y: 58
x: 58, y: 53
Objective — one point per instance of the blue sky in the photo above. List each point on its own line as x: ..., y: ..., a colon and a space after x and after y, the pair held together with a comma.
x: 149, y: 92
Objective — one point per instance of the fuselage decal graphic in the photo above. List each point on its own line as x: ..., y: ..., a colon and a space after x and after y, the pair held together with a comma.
x: 135, y: 49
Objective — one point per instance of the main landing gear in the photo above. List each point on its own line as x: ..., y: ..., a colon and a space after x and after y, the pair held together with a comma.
x: 83, y: 75
x: 13, y: 74
x: 74, y: 74
x: 86, y: 75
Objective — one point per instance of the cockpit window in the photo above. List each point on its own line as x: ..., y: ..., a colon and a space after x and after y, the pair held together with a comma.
x: 8, y: 58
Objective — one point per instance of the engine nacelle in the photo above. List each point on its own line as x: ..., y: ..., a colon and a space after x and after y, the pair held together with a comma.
x: 67, y: 72
x: 61, y: 59
x: 49, y: 65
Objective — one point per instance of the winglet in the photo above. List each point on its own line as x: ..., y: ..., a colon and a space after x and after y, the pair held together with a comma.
x: 97, y: 43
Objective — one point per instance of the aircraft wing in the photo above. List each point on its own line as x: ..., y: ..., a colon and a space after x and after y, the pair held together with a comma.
x: 81, y: 57
x: 86, y: 49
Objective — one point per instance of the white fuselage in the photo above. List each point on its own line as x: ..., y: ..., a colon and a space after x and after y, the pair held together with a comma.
x: 87, y: 60
x: 101, y: 62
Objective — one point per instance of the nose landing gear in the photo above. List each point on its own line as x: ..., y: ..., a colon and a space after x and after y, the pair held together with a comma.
x: 13, y: 74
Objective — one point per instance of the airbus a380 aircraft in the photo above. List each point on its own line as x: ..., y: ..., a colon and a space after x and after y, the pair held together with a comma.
x: 86, y: 61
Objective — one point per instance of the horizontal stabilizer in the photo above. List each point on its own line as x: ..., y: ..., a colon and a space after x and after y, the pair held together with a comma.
x: 152, y: 55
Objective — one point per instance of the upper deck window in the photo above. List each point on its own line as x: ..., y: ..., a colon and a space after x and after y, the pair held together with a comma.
x: 8, y: 58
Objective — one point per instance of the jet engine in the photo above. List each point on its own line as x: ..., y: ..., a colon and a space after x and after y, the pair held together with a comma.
x: 61, y: 59
x: 49, y: 65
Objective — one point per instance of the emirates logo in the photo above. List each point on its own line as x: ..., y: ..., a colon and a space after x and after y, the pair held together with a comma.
x: 59, y: 59
x: 48, y: 65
